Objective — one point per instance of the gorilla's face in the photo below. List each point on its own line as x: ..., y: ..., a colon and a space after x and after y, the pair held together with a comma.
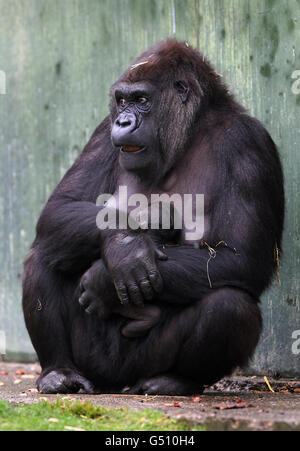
x: 135, y: 130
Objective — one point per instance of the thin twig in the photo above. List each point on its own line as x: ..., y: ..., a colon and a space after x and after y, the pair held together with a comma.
x: 277, y: 261
x: 213, y: 254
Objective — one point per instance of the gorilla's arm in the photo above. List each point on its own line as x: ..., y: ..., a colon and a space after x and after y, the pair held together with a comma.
x: 68, y: 238
x: 246, y: 221
x: 189, y: 274
x: 67, y: 235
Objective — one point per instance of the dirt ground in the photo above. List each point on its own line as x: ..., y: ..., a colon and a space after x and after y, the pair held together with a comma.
x: 237, y: 403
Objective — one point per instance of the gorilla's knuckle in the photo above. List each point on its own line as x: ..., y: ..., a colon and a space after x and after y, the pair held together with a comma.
x: 89, y: 309
x: 144, y: 284
x: 133, y: 288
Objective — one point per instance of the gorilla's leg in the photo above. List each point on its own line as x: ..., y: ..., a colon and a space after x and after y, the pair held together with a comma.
x: 48, y: 315
x: 213, y: 337
x: 145, y: 318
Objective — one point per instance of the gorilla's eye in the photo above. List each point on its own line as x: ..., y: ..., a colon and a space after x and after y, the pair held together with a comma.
x: 142, y: 100
x: 122, y: 101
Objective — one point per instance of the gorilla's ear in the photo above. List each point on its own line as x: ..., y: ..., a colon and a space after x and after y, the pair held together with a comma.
x: 182, y: 89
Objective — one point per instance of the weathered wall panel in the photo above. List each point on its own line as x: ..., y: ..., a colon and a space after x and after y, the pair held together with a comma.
x: 60, y: 59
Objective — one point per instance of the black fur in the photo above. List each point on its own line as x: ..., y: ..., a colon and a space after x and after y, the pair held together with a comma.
x: 204, y: 320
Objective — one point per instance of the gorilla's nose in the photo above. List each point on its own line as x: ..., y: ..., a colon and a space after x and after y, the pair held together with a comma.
x: 125, y: 120
x: 125, y: 124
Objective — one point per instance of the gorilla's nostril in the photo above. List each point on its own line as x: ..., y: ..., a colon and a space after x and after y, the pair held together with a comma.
x: 124, y: 123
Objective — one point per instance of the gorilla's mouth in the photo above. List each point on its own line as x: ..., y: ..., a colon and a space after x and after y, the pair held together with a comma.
x: 131, y: 148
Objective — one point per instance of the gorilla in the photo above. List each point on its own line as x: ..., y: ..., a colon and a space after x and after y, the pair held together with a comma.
x: 141, y: 309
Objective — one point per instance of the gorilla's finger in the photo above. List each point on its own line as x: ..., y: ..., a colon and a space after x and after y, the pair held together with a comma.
x: 141, y: 276
x: 154, y: 276
x: 83, y: 281
x: 146, y: 289
x: 156, y: 280
x: 122, y: 292
x: 161, y: 255
x: 135, y: 294
x: 84, y: 300
x: 81, y: 287
x: 91, y: 308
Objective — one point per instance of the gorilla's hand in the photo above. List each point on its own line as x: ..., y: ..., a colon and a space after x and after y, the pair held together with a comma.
x: 131, y: 261
x: 97, y: 291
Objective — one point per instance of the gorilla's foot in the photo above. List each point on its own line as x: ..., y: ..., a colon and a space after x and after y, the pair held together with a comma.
x: 63, y: 381
x: 166, y: 384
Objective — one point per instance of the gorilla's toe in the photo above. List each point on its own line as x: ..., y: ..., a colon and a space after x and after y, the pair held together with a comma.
x: 166, y: 385
x: 63, y: 381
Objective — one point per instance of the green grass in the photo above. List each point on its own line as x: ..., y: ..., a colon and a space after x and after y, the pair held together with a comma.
x: 64, y: 415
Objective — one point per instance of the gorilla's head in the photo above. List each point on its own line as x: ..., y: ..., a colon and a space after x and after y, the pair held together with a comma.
x: 157, y: 106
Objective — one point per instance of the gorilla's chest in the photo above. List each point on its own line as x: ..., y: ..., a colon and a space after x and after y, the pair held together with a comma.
x: 177, y: 209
